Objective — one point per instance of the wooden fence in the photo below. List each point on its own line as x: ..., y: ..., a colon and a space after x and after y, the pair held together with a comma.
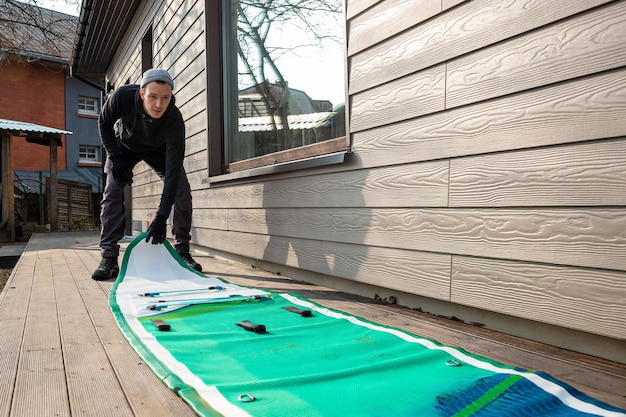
x: 75, y: 207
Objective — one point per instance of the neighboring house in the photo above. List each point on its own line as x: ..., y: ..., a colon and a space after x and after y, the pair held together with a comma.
x: 482, y: 176
x: 251, y: 102
x: 36, y: 87
x: 82, y: 107
x: 309, y: 121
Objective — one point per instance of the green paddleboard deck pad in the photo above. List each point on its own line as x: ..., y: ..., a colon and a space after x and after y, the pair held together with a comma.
x: 230, y: 350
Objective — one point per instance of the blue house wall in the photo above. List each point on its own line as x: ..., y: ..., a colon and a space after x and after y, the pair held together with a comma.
x: 84, y: 129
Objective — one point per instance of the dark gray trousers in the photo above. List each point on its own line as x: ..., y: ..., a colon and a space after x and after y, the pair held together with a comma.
x: 112, y: 214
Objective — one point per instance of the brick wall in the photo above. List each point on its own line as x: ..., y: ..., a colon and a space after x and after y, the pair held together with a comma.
x: 35, y: 94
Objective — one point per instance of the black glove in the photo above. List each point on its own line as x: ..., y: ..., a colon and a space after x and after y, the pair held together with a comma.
x: 122, y: 173
x: 157, y: 230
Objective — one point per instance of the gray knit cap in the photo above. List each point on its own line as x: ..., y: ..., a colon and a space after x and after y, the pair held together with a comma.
x: 155, y: 74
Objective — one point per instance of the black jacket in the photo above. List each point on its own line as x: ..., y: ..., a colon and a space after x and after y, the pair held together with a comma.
x: 123, y: 122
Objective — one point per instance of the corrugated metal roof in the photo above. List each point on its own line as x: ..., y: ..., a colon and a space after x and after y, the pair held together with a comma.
x: 295, y: 121
x: 15, y: 126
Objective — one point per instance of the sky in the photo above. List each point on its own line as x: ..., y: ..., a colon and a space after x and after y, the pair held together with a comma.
x: 316, y: 74
x: 64, y: 6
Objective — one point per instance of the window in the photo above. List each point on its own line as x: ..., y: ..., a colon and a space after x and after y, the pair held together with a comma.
x: 88, y: 154
x: 283, y: 82
x: 88, y: 106
x: 146, y: 50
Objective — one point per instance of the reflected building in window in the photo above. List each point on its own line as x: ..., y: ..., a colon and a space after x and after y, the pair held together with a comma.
x: 274, y: 118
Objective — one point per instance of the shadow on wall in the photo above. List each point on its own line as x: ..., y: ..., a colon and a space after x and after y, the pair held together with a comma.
x: 317, y: 223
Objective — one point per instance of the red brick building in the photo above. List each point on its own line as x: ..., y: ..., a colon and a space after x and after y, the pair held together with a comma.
x: 33, y: 93
x: 36, y: 86
x: 34, y: 57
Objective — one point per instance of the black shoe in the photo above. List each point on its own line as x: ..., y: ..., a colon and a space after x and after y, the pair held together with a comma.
x: 107, y: 269
x: 186, y: 257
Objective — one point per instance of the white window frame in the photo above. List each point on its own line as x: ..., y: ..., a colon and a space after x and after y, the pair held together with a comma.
x: 88, y: 106
x: 84, y: 152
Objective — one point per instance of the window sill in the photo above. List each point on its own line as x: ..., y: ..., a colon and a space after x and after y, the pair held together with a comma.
x: 313, y: 162
x: 89, y: 164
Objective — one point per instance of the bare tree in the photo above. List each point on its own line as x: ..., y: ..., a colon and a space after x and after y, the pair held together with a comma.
x: 29, y: 33
x: 256, y: 21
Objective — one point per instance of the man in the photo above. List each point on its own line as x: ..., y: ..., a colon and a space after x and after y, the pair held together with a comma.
x: 142, y: 123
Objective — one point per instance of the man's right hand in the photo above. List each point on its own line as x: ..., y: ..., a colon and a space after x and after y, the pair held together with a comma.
x: 121, y: 172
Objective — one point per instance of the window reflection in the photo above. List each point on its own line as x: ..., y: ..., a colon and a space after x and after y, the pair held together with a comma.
x: 287, y: 61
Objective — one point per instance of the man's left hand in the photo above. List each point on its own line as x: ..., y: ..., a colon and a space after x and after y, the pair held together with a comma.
x: 157, y: 230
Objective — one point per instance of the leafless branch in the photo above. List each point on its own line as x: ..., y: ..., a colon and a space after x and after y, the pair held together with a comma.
x: 29, y: 32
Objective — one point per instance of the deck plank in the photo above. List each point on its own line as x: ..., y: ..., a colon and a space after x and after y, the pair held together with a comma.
x: 13, y: 312
x: 41, y: 358
x: 144, y: 393
x: 40, y: 385
x: 63, y: 354
x: 92, y: 383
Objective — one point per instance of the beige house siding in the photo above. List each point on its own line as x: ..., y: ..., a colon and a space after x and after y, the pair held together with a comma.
x: 524, y: 106
x: 488, y: 164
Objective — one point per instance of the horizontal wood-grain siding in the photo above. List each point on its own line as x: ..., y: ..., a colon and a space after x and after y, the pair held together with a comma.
x: 409, y: 97
x: 587, y: 174
x: 354, y: 7
x: 583, y: 299
x: 447, y: 4
x: 387, y: 19
x: 180, y: 23
x: 458, y: 31
x: 583, y: 237
x: 580, y: 110
x: 569, y: 49
x: 418, y: 185
x: 423, y: 273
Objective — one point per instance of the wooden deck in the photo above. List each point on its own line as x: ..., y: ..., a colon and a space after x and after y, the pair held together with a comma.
x: 62, y: 354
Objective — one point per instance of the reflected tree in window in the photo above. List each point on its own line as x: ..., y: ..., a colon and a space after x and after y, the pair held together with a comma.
x: 278, y: 41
